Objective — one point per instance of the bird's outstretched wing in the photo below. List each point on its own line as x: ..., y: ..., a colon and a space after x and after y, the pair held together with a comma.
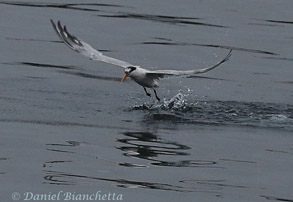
x: 158, y: 74
x: 84, y: 48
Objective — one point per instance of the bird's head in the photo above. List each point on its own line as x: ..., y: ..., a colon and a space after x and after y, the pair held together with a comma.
x: 128, y: 72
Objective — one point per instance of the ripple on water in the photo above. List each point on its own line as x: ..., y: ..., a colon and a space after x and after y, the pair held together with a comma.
x: 254, y: 114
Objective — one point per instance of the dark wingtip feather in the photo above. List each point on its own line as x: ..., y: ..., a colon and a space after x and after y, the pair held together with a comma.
x: 229, y: 54
x: 72, y: 37
x: 53, y: 24
x: 59, y: 25
x: 227, y: 57
x: 60, y: 31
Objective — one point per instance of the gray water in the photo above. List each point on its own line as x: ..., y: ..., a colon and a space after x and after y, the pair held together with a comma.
x: 69, y: 125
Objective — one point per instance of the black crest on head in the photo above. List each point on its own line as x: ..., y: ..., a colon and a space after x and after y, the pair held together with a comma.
x: 131, y: 69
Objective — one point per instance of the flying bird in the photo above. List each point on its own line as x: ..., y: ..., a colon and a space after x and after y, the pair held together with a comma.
x: 145, y: 78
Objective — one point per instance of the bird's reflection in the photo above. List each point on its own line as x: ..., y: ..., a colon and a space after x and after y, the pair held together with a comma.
x: 148, y: 146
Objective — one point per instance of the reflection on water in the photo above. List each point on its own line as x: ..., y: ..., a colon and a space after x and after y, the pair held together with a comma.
x: 69, y: 144
x: 163, y: 18
x: 174, y: 43
x: 147, y: 146
x: 215, y: 184
x: 34, y: 64
x: 92, y: 76
x: 49, y: 163
x: 139, y: 16
x: 52, y: 176
x: 76, y: 72
x: 35, y: 40
x: 143, y: 145
x: 56, y: 148
x: 280, y: 21
x: 280, y: 58
x: 60, y: 178
x: 273, y: 198
x: 72, y: 6
x: 92, y: 7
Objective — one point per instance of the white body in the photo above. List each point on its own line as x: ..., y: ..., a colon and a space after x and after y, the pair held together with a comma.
x: 141, y: 77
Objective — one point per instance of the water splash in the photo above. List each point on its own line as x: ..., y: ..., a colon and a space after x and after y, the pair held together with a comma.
x: 178, y: 102
x: 179, y: 109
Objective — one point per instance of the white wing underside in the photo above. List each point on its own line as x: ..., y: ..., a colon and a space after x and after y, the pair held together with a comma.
x: 85, y: 49
x: 158, y: 74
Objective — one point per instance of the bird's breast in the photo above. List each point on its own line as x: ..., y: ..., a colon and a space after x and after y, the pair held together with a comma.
x: 144, y: 80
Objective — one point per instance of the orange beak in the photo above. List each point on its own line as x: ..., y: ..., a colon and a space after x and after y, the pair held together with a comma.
x: 124, y: 77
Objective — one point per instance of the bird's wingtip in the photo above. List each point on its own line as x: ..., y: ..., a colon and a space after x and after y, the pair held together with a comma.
x: 229, y: 55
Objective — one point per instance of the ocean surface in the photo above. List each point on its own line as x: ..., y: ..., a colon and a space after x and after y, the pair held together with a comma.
x: 68, y: 126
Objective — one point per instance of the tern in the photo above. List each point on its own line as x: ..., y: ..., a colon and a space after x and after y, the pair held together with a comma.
x: 145, y: 78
